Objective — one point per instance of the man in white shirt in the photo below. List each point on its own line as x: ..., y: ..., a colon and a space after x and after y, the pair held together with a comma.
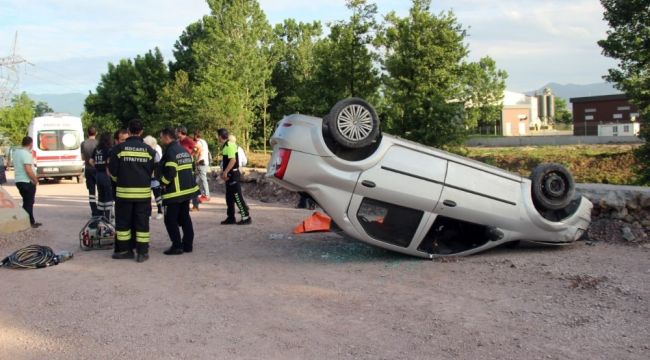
x: 202, y: 167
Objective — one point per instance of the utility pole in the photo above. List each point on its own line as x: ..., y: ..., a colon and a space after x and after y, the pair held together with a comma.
x: 9, y: 73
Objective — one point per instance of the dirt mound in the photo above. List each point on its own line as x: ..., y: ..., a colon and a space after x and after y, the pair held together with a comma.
x: 617, y: 231
x: 256, y: 186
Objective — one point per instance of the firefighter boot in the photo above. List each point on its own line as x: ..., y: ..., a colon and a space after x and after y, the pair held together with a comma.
x: 122, y: 251
x: 143, y: 252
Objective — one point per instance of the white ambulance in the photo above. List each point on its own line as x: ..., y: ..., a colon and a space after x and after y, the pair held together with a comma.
x: 57, y: 146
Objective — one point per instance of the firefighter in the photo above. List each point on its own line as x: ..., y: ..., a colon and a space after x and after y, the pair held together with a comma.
x: 230, y: 174
x: 177, y: 171
x: 104, y: 187
x: 131, y: 166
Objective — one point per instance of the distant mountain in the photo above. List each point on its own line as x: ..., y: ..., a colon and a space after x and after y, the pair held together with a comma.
x: 568, y: 91
x: 72, y: 104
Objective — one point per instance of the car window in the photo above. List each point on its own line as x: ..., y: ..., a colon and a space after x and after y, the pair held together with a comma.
x: 388, y: 222
x: 56, y: 140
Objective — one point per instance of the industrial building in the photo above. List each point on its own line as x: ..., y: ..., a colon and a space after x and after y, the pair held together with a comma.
x: 523, y: 113
x: 607, y: 115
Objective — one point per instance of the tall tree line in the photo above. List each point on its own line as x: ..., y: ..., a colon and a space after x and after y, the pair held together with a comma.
x: 628, y: 41
x: 232, y: 69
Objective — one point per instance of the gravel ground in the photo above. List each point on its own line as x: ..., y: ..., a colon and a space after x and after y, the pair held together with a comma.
x: 259, y: 292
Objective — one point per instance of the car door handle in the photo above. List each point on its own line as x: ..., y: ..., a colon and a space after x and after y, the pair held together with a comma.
x: 449, y: 203
x: 368, y: 184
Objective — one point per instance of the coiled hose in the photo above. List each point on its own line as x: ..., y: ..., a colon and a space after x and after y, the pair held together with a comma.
x: 33, y: 257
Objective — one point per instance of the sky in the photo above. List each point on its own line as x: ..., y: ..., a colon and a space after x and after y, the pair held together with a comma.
x: 70, y: 42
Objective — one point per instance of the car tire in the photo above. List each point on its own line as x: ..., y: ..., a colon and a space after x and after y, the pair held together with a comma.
x: 553, y: 187
x: 353, y: 123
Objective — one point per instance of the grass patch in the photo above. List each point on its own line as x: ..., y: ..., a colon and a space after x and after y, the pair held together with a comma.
x: 258, y: 159
x: 606, y: 164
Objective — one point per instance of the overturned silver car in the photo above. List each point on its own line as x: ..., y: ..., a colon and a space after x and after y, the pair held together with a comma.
x: 417, y: 200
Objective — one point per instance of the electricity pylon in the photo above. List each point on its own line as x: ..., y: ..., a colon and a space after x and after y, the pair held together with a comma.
x: 10, y: 74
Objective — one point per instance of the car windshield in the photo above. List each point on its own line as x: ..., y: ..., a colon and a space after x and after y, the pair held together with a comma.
x: 54, y: 140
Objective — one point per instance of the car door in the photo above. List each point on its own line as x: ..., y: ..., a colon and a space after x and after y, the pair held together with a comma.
x: 392, y: 198
x: 480, y: 195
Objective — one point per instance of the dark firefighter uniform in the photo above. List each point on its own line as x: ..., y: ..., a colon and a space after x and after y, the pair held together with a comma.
x: 233, y: 187
x: 104, y: 187
x: 179, y: 187
x: 131, y: 166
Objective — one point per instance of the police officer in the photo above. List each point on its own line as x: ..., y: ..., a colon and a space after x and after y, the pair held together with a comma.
x: 230, y: 174
x: 179, y: 187
x: 131, y: 166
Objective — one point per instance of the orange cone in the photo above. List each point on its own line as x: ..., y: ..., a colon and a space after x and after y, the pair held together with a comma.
x: 316, y: 223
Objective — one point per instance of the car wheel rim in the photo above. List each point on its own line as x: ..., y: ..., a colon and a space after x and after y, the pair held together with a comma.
x: 554, y: 186
x: 354, y: 122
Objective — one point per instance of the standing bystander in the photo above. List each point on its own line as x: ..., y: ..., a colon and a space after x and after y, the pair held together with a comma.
x: 26, y: 180
x: 202, y: 167
x: 87, y: 148
x: 155, y: 184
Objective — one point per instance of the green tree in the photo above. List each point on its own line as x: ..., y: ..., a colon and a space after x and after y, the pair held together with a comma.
x: 15, y: 119
x: 128, y: 90
x: 344, y: 62
x: 484, y: 87
x: 184, y: 56
x: 628, y: 41
x: 176, y: 104
x: 562, y: 113
x: 229, y: 63
x: 293, y: 74
x: 424, y: 90
x: 42, y: 108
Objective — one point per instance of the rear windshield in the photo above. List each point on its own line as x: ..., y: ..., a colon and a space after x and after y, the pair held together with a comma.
x: 56, y: 140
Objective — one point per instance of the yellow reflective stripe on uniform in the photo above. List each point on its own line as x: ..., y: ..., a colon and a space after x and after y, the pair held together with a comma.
x: 134, y: 154
x: 132, y: 196
x: 134, y: 189
x: 133, y: 193
x: 165, y: 181
x: 179, y: 167
x: 124, y: 235
x: 180, y: 193
x: 142, y: 237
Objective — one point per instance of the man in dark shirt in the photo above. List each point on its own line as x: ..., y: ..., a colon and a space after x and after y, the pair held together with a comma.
x: 87, y: 149
x: 190, y: 146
